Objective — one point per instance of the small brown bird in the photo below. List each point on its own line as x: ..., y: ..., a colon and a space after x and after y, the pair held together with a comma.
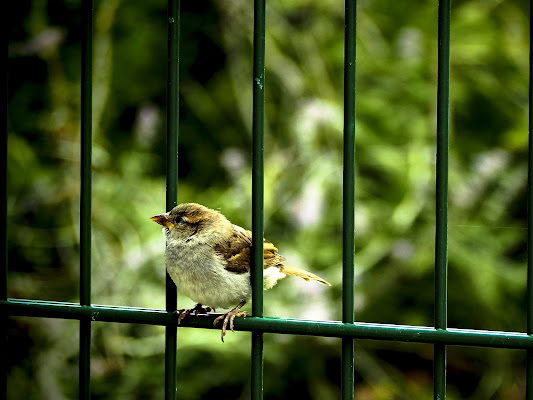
x: 208, y: 258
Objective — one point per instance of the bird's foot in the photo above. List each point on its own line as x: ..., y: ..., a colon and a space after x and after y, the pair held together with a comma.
x: 229, y: 317
x: 196, y: 310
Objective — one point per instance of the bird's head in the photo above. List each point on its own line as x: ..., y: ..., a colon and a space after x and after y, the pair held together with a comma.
x: 189, y: 220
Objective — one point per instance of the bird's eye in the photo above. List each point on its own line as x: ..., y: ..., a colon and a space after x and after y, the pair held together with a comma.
x: 180, y: 220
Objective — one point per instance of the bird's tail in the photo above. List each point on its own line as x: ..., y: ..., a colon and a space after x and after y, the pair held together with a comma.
x: 300, y: 273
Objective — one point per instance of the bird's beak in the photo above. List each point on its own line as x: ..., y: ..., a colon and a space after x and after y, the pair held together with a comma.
x: 163, y: 219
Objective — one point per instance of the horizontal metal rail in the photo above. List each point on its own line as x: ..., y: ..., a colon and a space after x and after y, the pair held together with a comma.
x: 357, y: 330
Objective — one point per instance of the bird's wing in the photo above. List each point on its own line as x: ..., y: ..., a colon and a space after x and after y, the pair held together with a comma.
x: 237, y: 251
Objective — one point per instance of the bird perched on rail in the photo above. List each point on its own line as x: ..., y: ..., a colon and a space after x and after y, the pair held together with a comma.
x: 208, y: 258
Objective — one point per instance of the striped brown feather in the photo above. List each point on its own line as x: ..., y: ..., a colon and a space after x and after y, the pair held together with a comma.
x: 237, y: 252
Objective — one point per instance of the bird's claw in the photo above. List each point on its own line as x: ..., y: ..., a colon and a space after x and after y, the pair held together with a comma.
x: 196, y: 310
x: 229, y: 317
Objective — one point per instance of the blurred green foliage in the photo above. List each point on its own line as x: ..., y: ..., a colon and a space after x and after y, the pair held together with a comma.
x: 396, y: 100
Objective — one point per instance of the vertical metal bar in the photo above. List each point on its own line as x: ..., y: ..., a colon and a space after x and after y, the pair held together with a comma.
x: 348, y: 199
x: 258, y: 157
x: 441, y: 231
x: 257, y: 366
x: 172, y: 182
x: 85, y: 196
x: 3, y: 164
x: 258, y: 125
x: 3, y: 223
x: 529, y: 369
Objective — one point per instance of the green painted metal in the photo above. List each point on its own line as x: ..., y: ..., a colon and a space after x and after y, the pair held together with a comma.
x: 529, y: 373
x: 257, y: 365
x: 3, y: 172
x: 441, y: 231
x: 348, y: 199
x: 172, y: 113
x: 439, y: 371
x: 172, y: 183
x: 357, y: 330
x: 85, y: 196
x: 529, y: 368
x: 258, y: 128
x: 86, y: 153
x: 3, y: 221
x: 85, y: 359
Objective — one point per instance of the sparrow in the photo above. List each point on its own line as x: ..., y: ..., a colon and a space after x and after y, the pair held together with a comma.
x: 208, y: 258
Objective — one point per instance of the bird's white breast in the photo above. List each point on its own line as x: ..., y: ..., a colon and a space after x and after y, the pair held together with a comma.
x: 199, y: 273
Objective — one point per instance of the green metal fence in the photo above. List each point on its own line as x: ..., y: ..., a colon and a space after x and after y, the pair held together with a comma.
x: 439, y: 335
